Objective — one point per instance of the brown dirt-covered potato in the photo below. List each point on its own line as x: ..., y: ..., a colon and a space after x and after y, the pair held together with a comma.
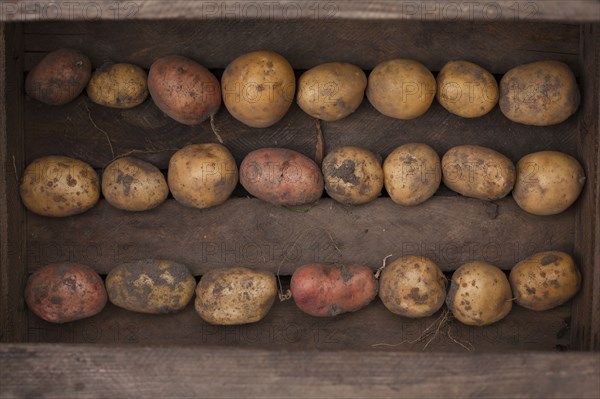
x: 202, y: 175
x: 60, y: 77
x: 331, y: 91
x: 281, y: 177
x: 64, y: 292
x: 329, y: 290
x: 402, y: 89
x: 478, y: 172
x: 545, y: 280
x: 548, y: 182
x: 184, y: 89
x: 59, y: 186
x: 258, y: 88
x: 479, y: 294
x: 412, y: 286
x: 542, y: 93
x: 150, y: 286
x: 134, y: 185
x: 235, y: 296
x: 412, y: 174
x: 353, y: 175
x: 118, y: 86
x: 466, y: 89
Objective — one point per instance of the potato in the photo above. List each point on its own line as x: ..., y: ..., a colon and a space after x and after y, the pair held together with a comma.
x: 59, y: 77
x: 542, y: 93
x: 402, y: 89
x: 479, y: 294
x: 412, y: 174
x: 118, y: 86
x: 412, y: 286
x: 258, y: 88
x: 466, y: 89
x: 478, y: 172
x: 150, y: 286
x: 59, y: 186
x: 548, y: 182
x: 64, y: 292
x: 134, y: 185
x: 329, y: 290
x: 202, y: 175
x: 281, y: 177
x: 331, y: 91
x: 235, y: 296
x: 545, y: 280
x: 184, y: 89
x: 352, y: 175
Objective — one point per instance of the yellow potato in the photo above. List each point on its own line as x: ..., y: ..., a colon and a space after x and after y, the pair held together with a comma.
x: 466, y: 89
x: 353, y: 175
x: 548, y: 182
x: 258, y: 88
x: 202, y: 175
x: 478, y: 172
x: 235, y: 296
x: 541, y: 93
x: 118, y: 86
x: 479, y: 294
x: 412, y: 173
x: 545, y: 280
x: 59, y: 186
x: 412, y: 286
x: 331, y: 91
x: 402, y: 89
x: 134, y: 185
x: 150, y: 286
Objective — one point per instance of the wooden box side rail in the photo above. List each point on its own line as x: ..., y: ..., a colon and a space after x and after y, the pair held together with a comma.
x: 586, y: 308
x: 13, y: 273
x: 440, y: 10
x: 78, y: 371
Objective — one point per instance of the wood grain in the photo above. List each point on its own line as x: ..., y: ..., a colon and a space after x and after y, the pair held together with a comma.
x: 248, y: 232
x: 372, y: 328
x: 84, y: 371
x: 290, y: 10
x: 13, y: 321
x: 307, y: 43
x: 147, y: 133
x: 586, y: 307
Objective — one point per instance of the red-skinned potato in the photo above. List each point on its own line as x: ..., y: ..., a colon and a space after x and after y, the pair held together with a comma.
x: 184, y: 89
x: 59, y: 77
x: 65, y: 292
x: 281, y: 177
x: 329, y: 290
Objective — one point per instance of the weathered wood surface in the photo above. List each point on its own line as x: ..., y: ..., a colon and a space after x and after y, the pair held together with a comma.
x: 83, y: 371
x: 450, y: 230
x: 307, y: 43
x: 289, y: 10
x: 13, y: 267
x: 145, y: 132
x: 586, y: 308
x: 286, y: 327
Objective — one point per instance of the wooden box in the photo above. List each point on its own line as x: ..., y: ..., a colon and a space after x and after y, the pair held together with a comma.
x: 370, y: 353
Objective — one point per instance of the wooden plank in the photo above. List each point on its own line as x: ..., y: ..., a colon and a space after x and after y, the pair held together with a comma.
x: 13, y: 272
x: 84, y: 371
x: 306, y: 43
x: 586, y: 308
x: 286, y: 327
x: 73, y: 131
x: 244, y: 231
x: 290, y: 10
